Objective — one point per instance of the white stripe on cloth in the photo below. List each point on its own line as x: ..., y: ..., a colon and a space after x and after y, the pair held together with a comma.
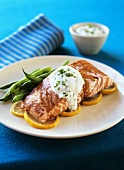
x: 33, y: 39
x: 38, y: 37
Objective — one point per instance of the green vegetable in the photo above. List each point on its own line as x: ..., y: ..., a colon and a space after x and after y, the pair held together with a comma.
x: 19, y: 89
x: 38, y: 80
x: 41, y: 71
x: 66, y: 63
x: 20, y: 96
x: 32, y: 77
x: 6, y: 86
x: 6, y: 97
x: 27, y: 84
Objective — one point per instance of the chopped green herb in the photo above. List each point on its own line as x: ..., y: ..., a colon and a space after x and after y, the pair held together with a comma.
x: 62, y: 71
x: 63, y: 83
x: 57, y: 83
x: 90, y: 25
x: 70, y: 75
x: 86, y: 30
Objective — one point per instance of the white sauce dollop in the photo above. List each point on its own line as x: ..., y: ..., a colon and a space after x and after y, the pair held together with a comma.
x: 67, y: 82
x: 89, y: 30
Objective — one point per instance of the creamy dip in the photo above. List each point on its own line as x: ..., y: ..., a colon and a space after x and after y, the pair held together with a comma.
x: 89, y: 30
x: 67, y: 82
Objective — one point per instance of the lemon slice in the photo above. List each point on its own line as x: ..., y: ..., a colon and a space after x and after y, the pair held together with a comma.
x: 32, y: 122
x: 93, y: 100
x: 16, y: 109
x: 110, y: 90
x: 71, y: 113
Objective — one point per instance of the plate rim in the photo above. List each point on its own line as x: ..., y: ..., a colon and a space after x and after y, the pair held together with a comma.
x: 64, y: 56
x: 55, y: 56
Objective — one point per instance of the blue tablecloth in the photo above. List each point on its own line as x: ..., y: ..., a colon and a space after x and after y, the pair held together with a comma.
x: 104, y: 150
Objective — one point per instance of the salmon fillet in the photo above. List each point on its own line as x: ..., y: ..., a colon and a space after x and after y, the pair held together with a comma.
x: 44, y: 105
x: 95, y: 80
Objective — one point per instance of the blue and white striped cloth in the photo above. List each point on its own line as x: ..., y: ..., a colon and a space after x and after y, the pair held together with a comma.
x: 39, y: 37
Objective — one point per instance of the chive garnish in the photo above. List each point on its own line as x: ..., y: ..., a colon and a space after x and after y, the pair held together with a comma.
x: 57, y: 83
x: 62, y: 71
x: 63, y: 83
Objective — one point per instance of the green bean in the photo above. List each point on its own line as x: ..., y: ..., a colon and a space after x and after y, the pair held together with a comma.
x: 38, y: 80
x: 41, y: 71
x: 66, y: 63
x: 18, y: 90
x: 27, y: 84
x: 23, y: 93
x: 6, y: 86
x: 14, y: 86
x: 23, y: 80
x: 6, y: 97
x: 45, y: 74
x: 12, y: 90
x: 20, y: 96
x: 32, y: 77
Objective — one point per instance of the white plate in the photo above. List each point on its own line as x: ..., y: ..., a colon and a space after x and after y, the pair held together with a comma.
x: 91, y: 119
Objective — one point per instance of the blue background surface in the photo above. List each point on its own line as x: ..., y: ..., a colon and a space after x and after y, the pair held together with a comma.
x: 65, y: 13
x: 101, y: 151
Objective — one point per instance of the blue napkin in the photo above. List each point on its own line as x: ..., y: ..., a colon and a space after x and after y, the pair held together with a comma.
x: 39, y: 37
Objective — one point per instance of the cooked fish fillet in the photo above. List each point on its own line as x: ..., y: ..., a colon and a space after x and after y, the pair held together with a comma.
x: 43, y: 104
x: 95, y: 80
